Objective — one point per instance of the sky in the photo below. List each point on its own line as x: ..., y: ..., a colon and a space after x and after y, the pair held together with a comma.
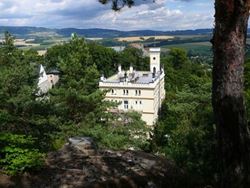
x: 162, y: 15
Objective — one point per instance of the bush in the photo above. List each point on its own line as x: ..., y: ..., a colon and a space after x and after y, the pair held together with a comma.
x: 118, y: 135
x: 18, y: 154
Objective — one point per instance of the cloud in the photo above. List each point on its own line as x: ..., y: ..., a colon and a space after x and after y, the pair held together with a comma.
x: 161, y: 15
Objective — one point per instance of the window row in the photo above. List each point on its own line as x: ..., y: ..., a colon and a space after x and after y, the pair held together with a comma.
x: 126, y: 92
x: 126, y: 104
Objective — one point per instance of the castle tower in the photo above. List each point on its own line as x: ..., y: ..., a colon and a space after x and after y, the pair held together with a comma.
x: 154, y: 54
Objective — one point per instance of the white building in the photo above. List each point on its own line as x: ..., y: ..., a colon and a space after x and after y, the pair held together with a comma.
x: 47, y: 80
x: 141, y: 91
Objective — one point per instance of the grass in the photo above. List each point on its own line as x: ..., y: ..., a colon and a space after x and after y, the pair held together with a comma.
x: 195, y: 48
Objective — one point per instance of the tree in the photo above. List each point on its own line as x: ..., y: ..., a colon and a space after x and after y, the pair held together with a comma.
x: 178, y: 57
x: 231, y: 19
x: 104, y: 58
x: 26, y: 124
x: 75, y: 94
x: 118, y: 4
x: 185, y: 131
x: 133, y: 56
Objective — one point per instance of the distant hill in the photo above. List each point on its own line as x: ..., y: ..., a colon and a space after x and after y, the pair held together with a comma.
x: 96, y: 32
x: 23, y: 30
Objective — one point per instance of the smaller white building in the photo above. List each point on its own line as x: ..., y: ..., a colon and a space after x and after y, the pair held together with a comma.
x: 141, y: 91
x: 47, y: 80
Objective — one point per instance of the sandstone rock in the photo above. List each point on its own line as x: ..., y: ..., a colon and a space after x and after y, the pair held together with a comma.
x: 80, y: 164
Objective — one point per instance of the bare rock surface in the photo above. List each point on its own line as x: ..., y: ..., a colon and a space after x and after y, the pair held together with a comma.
x: 80, y: 164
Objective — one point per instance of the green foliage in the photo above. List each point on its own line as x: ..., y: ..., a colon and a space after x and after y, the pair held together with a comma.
x: 76, y: 94
x: 18, y: 153
x: 119, y: 135
x: 21, y: 113
x: 178, y: 57
x: 8, y: 41
x: 247, y: 87
x: 185, y: 131
x: 134, y: 57
x: 104, y: 58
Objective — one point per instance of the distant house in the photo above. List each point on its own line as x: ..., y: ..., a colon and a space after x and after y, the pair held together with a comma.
x: 140, y: 47
x: 47, y: 80
x: 118, y: 48
x: 41, y: 52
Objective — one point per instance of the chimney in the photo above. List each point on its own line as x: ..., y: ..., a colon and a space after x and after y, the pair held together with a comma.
x: 153, y: 75
x: 131, y: 69
x: 119, y: 68
x: 102, y: 78
x: 125, y: 76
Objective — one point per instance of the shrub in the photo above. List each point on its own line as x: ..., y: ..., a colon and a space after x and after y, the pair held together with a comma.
x: 18, y: 154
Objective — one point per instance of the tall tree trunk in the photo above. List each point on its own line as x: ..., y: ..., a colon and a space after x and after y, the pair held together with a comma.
x: 231, y: 20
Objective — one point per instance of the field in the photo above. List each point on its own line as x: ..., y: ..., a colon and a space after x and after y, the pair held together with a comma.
x: 195, y: 45
x: 198, y: 46
x: 143, y: 38
x: 25, y: 43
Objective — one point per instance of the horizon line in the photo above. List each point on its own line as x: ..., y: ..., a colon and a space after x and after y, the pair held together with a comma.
x: 57, y: 28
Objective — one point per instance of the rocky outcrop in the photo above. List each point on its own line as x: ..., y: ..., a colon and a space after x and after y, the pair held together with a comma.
x: 80, y: 164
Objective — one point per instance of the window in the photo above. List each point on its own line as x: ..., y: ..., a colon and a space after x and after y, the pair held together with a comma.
x: 125, y: 104
x: 154, y: 58
x: 112, y: 92
x: 136, y: 102
x: 125, y: 92
x: 137, y: 92
x: 154, y: 70
x: 140, y: 102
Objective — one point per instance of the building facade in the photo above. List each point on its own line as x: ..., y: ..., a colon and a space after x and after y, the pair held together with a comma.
x: 47, y: 80
x: 141, y: 91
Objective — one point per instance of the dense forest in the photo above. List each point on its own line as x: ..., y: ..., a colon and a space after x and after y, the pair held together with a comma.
x: 31, y: 125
